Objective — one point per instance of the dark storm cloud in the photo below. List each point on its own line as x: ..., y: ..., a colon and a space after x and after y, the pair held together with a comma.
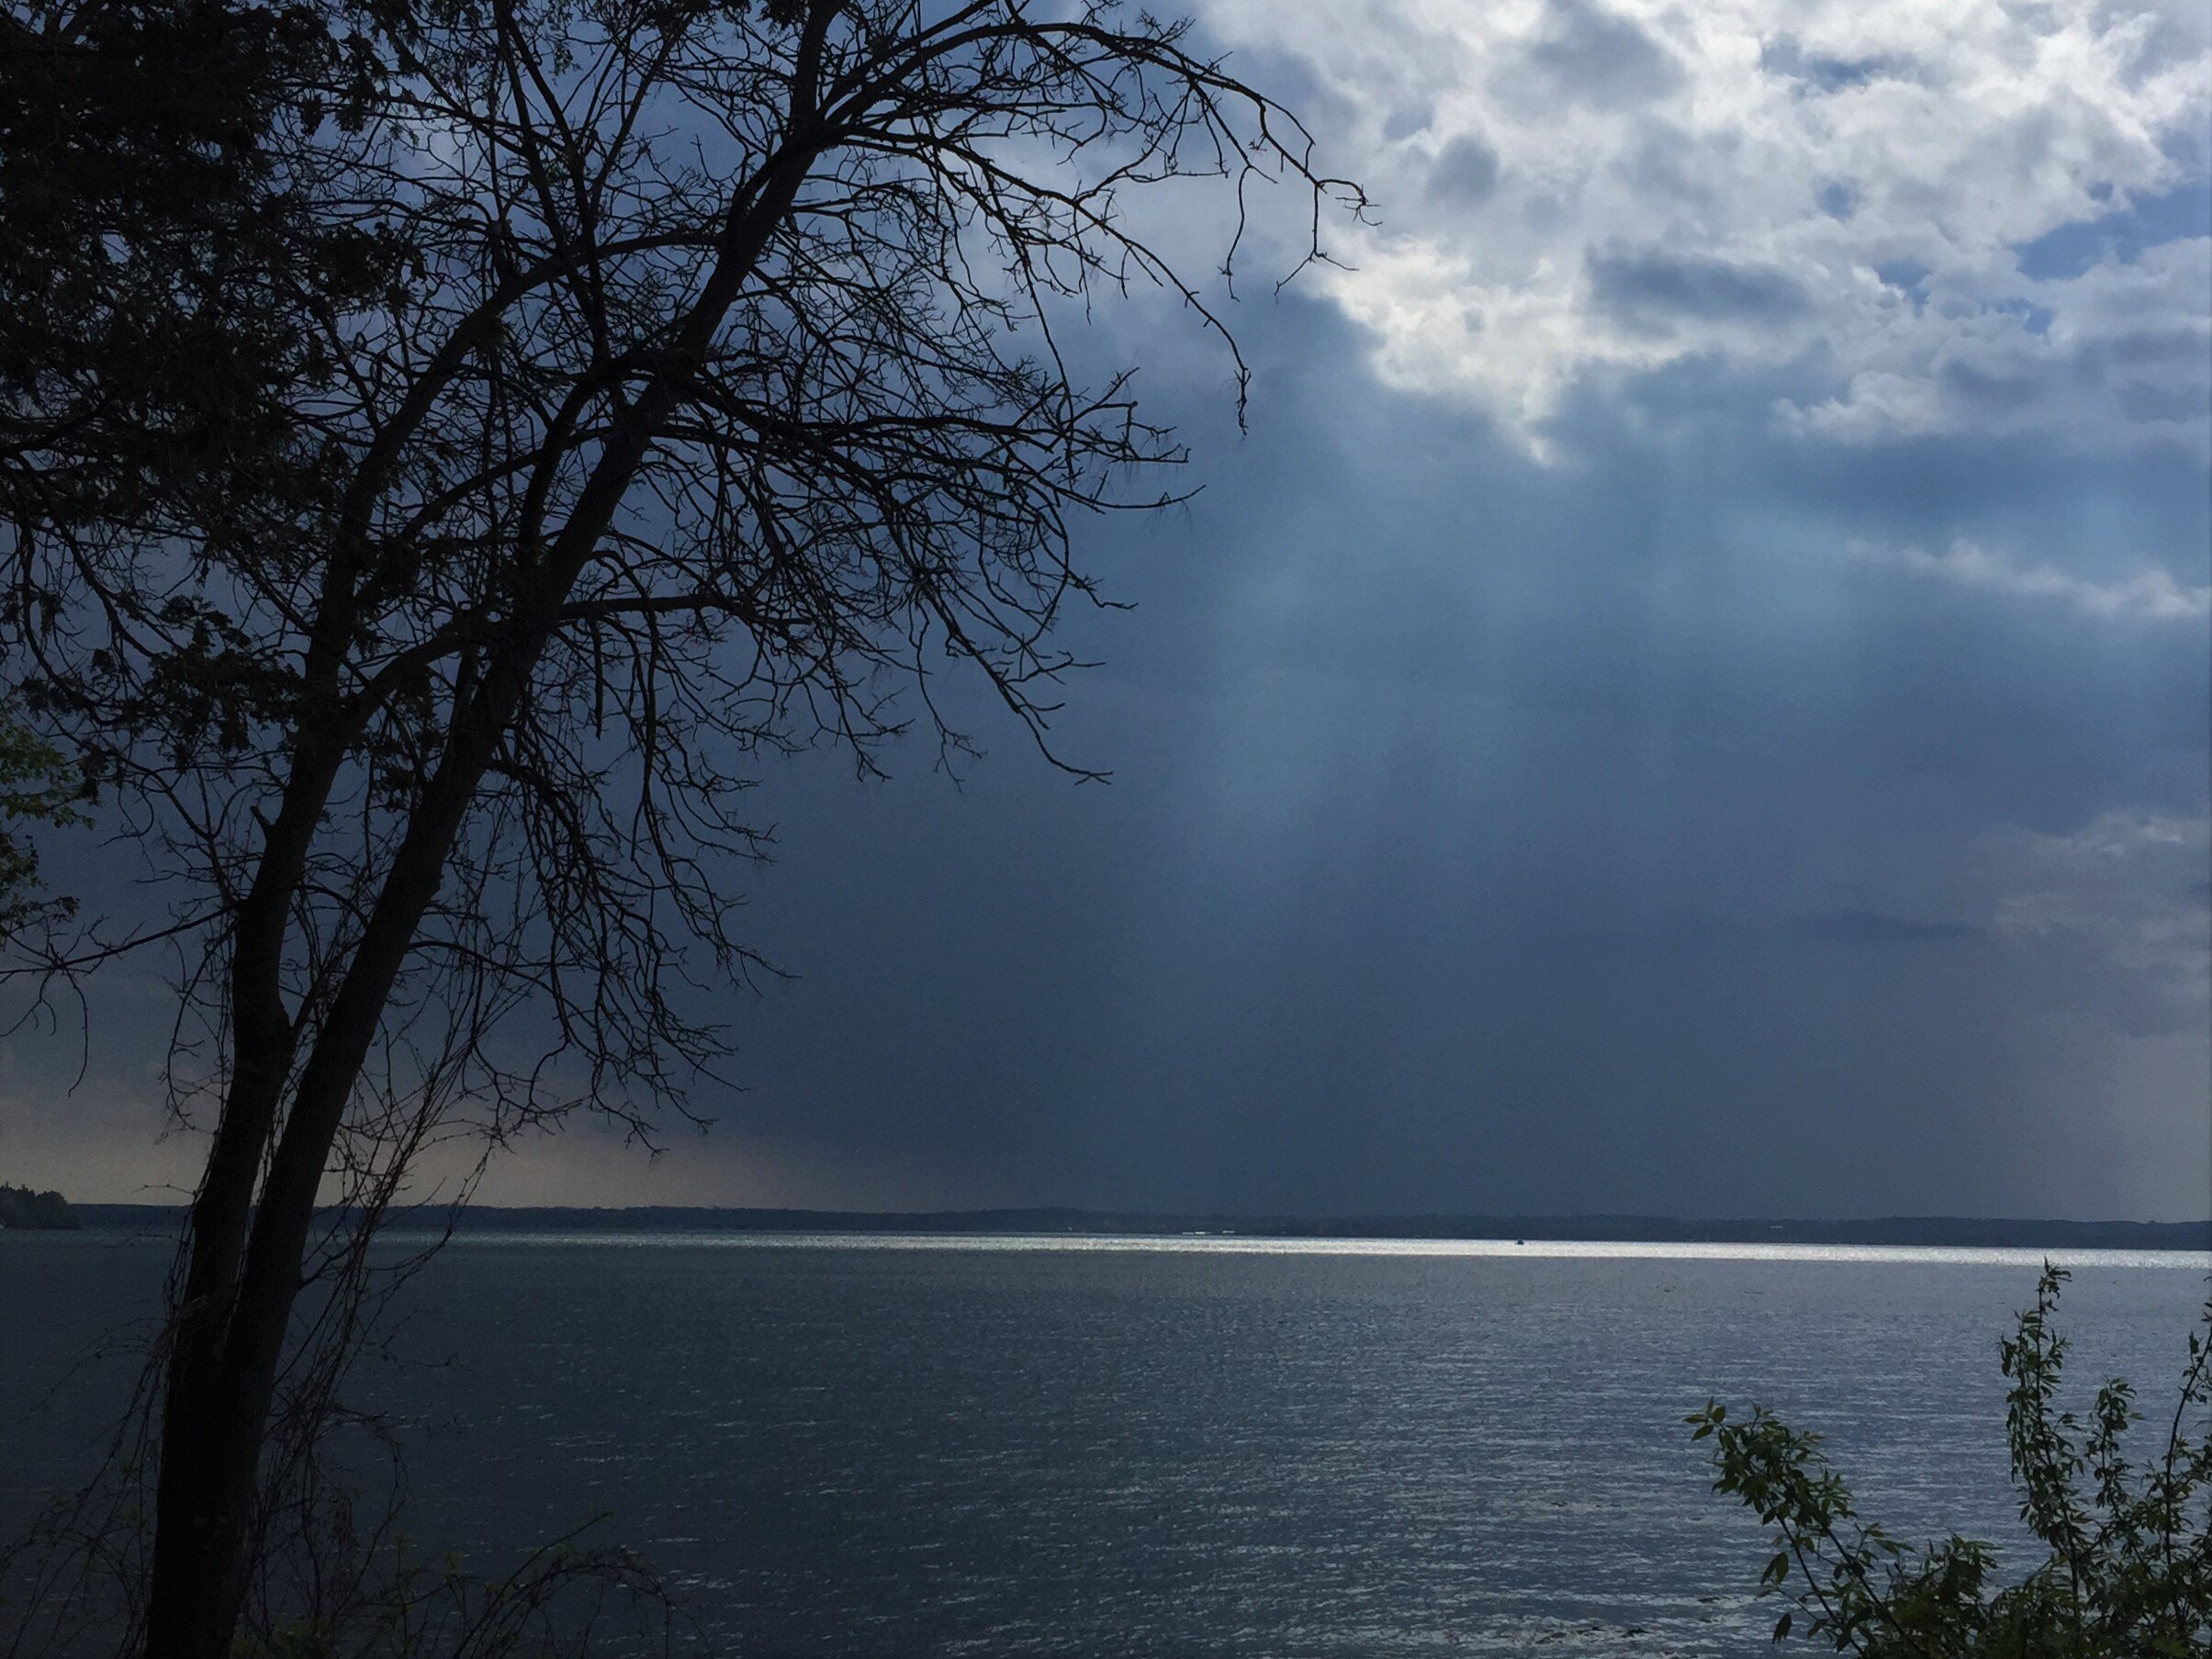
x: 1871, y: 927
x: 1487, y: 835
x: 1465, y: 172
x: 1647, y: 287
x: 1637, y: 830
x: 1491, y: 835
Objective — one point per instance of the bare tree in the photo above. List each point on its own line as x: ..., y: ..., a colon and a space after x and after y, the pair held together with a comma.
x: 547, y: 407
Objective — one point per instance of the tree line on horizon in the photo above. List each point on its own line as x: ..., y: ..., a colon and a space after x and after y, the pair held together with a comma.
x: 36, y: 1211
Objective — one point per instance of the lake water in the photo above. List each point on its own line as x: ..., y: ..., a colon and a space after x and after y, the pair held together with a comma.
x: 1170, y: 1447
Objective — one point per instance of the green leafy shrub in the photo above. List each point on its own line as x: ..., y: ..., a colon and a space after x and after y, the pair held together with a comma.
x: 2129, y: 1570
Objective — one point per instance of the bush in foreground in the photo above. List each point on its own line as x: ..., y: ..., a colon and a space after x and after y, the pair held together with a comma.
x: 2129, y: 1570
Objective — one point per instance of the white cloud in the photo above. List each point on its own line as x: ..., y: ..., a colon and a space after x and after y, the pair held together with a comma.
x: 2111, y: 838
x: 2132, y: 886
x: 2150, y: 595
x: 1571, y: 191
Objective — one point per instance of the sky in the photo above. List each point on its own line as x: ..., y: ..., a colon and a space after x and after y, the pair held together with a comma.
x: 1692, y: 696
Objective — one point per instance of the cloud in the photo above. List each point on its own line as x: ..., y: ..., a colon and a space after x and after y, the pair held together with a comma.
x: 1591, y: 193
x: 1647, y: 288
x: 2128, y: 886
x: 1785, y: 56
x: 1873, y: 927
x: 1465, y: 171
x: 2151, y: 595
x: 1586, y: 54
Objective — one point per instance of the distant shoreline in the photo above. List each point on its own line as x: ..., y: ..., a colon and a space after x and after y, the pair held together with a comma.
x: 1941, y: 1232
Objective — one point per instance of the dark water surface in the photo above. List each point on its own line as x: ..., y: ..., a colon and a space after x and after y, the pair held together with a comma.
x: 877, y: 1446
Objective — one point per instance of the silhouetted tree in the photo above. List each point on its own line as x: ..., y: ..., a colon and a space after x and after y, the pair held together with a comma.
x: 441, y: 443
x: 37, y: 785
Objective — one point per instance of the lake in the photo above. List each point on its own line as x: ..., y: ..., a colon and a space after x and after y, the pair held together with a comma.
x: 1186, y: 1446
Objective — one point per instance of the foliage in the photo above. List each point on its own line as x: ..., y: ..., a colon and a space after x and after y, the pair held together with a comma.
x: 2128, y: 1574
x: 36, y: 785
x: 43, y: 1212
x: 157, y: 263
x: 445, y: 447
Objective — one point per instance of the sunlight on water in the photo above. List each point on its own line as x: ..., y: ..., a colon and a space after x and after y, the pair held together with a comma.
x: 1229, y: 1244
x: 844, y: 1447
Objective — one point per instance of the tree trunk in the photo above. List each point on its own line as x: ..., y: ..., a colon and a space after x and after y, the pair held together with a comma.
x: 211, y: 1431
x: 244, y: 1278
